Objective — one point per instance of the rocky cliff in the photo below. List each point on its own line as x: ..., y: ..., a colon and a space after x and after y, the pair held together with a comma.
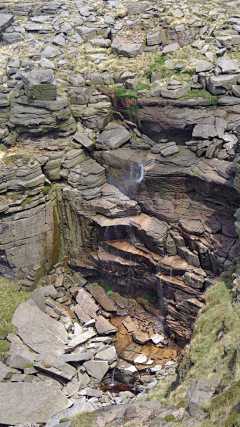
x: 119, y: 154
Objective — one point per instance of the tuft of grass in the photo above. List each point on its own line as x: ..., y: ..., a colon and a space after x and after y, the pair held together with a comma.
x: 10, y: 159
x: 226, y: 399
x: 28, y: 365
x: 26, y: 201
x: 169, y: 418
x: 46, y: 190
x: 9, y: 301
x: 85, y: 419
x: 3, y: 148
x: 122, y: 92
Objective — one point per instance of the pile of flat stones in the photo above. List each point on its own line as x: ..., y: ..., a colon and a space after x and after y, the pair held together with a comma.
x: 63, y: 349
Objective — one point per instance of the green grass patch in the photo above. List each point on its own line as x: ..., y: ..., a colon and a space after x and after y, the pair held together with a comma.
x: 10, y: 159
x: 26, y: 201
x: 226, y: 399
x: 200, y: 93
x: 9, y: 301
x: 28, y: 365
x: 3, y: 148
x: 122, y: 92
x: 205, y: 352
x: 46, y: 190
x: 170, y: 418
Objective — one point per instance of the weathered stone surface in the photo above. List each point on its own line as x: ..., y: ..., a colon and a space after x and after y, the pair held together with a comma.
x: 76, y: 409
x: 204, y: 131
x: 50, y: 52
x: 228, y: 66
x: 30, y: 403
x: 55, y: 366
x: 40, y: 85
x: 140, y: 337
x: 218, y: 85
x: 200, y: 392
x: 39, y: 331
x: 110, y: 355
x: 176, y: 93
x: 155, y: 36
x: 104, y: 327
x: 113, y: 137
x: 125, y: 372
x: 100, y: 295
x: 6, y: 19
x: 170, y: 48
x: 83, y: 140
x: 86, y: 302
x: 20, y: 357
x: 202, y: 65
x: 129, y: 46
x: 96, y: 369
x: 80, y: 339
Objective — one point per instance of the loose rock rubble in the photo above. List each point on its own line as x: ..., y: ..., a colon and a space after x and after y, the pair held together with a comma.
x: 64, y: 360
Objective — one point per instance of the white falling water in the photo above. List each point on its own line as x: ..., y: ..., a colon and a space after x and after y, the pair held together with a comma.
x: 141, y: 173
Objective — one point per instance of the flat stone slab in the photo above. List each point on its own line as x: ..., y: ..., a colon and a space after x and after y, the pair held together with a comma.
x: 96, y: 368
x: 109, y: 355
x: 102, y: 298
x: 6, y: 19
x: 86, y: 302
x: 76, y: 409
x: 204, y: 131
x: 113, y: 137
x: 35, y: 403
x: 39, y: 331
x: 104, y: 327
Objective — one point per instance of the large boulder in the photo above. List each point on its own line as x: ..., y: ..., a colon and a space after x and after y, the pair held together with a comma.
x: 200, y: 392
x: 40, y: 85
x: 39, y: 331
x: 218, y: 85
x: 129, y: 45
x: 23, y: 402
x: 113, y: 137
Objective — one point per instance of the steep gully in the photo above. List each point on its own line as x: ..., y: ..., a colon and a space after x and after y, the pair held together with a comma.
x: 183, y: 236
x: 146, y: 225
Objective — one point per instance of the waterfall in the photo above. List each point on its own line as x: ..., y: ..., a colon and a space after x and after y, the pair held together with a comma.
x: 112, y: 383
x: 141, y: 173
x: 209, y: 183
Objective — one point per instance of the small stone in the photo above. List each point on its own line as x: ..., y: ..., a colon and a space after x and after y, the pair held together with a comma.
x: 140, y: 337
x: 170, y: 48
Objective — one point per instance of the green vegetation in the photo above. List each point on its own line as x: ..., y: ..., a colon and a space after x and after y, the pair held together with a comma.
x: 9, y: 301
x: 46, y: 190
x: 169, y: 418
x: 109, y: 294
x: 133, y: 114
x: 200, y: 93
x: 15, y: 157
x: 28, y: 365
x: 26, y: 202
x: 3, y: 148
x: 205, y: 352
x: 84, y: 420
x: 122, y: 92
